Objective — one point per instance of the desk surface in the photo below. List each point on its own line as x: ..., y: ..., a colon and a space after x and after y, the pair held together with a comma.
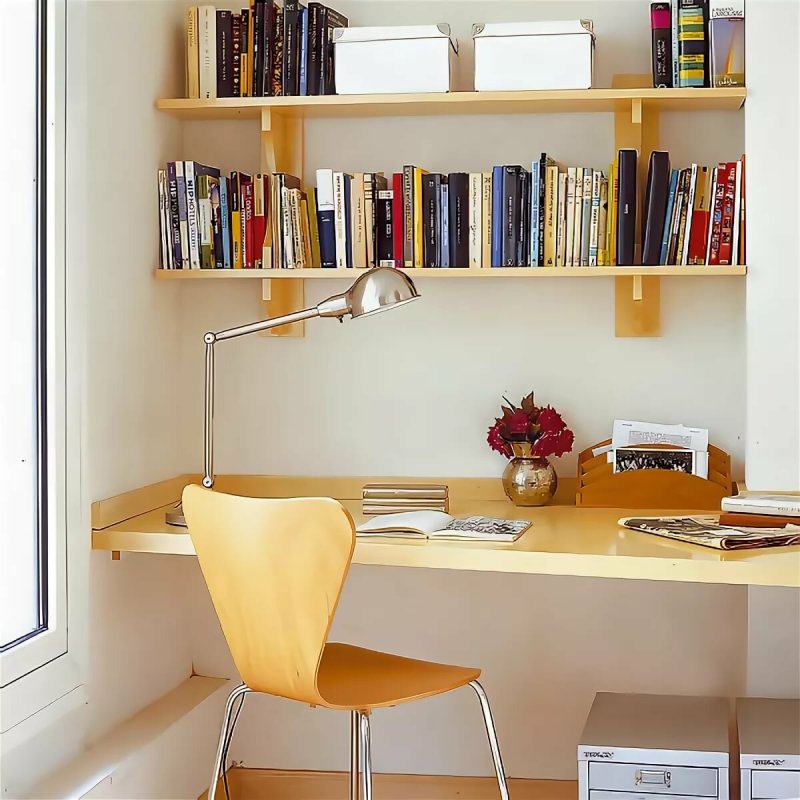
x: 563, y: 539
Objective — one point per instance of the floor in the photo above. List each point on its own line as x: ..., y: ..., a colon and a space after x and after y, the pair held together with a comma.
x: 263, y: 784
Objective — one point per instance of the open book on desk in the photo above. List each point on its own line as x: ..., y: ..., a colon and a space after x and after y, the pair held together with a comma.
x: 438, y: 525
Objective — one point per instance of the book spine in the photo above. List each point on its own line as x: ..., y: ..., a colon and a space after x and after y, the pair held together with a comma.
x: 586, y: 216
x: 542, y: 188
x: 510, y: 211
x: 594, y: 223
x: 257, y: 76
x: 430, y: 221
x: 268, y: 45
x: 313, y: 227
x: 305, y: 230
x: 225, y: 223
x: 726, y: 35
x: 260, y: 184
x: 192, y: 55
x: 728, y: 205
x: 690, y: 202
x: 737, y: 211
x: 523, y: 215
x: 475, y: 218
x: 398, y: 230
x: 699, y: 230
x: 408, y: 216
x: 369, y: 217
x: 216, y: 222
x: 348, y: 215
x: 204, y: 223
x: 302, y: 71
x: 534, y: 218
x: 296, y: 228
x: 314, y: 47
x: 183, y: 222
x: 661, y: 44
x: 692, y: 16
x: 224, y: 54
x: 569, y: 233
x: 207, y: 44
x: 384, y: 221
x: 165, y: 226
x: 486, y: 221
x: 680, y: 200
x: 291, y: 14
x: 685, y: 200
x: 236, y: 221
x: 174, y: 215
x: 245, y: 66
x: 496, y: 223
x: 561, y: 220
x: 326, y: 216
x: 614, y: 198
x: 416, y: 216
x: 628, y: 196
x: 673, y: 185
x: 444, y: 223
x: 602, y: 224
x: 675, y: 50
x: 340, y: 219
x: 277, y: 55
x: 358, y: 236
x: 577, y: 228
x: 249, y: 223
x: 550, y: 219
x: 236, y: 48
x: 458, y: 183
x: 286, y: 228
x: 191, y: 214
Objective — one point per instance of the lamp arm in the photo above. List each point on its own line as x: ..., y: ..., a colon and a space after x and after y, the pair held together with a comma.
x: 210, y: 340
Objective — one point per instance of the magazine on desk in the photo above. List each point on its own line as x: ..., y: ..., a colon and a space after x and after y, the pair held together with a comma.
x: 438, y: 525
x: 705, y: 530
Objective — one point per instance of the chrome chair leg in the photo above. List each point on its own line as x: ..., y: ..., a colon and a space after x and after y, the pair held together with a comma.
x: 366, y: 757
x: 225, y: 735
x: 355, y: 735
x: 492, y: 735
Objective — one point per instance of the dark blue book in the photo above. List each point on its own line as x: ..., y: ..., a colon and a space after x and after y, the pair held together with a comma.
x: 326, y: 218
x: 304, y: 50
x: 431, y: 185
x: 497, y: 216
x: 673, y: 185
x: 348, y: 217
x: 510, y: 215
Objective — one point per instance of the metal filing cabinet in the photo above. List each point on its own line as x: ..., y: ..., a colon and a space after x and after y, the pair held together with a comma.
x: 769, y: 747
x: 654, y: 747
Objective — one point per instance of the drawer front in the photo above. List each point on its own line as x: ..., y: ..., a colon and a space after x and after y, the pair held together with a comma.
x: 652, y: 779
x: 775, y: 784
x: 636, y: 796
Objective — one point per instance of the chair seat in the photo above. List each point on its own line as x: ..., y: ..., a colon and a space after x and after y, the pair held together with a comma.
x: 358, y: 679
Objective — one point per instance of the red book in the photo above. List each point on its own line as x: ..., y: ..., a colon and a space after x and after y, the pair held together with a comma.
x: 728, y: 206
x: 716, y: 215
x: 249, y: 226
x: 700, y: 216
x: 397, y: 218
x: 259, y: 220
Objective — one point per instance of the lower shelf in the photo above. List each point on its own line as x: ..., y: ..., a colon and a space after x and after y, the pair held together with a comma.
x: 471, y: 272
x: 268, y: 784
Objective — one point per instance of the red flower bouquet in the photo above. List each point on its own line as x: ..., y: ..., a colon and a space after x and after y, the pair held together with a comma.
x: 542, y: 426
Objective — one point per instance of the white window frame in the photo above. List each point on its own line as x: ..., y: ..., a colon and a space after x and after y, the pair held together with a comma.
x: 46, y: 672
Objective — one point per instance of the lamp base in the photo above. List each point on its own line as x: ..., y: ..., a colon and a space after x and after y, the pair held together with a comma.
x: 176, y: 517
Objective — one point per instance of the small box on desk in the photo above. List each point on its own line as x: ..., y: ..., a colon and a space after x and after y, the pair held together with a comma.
x: 394, y: 60
x: 516, y: 56
x: 643, y: 747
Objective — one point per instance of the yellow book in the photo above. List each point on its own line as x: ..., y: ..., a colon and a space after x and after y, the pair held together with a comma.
x: 313, y: 227
x: 417, y: 215
x: 613, y: 189
x: 192, y: 55
x: 486, y: 237
x: 550, y: 206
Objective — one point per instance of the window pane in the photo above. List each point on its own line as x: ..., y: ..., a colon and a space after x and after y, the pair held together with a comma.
x: 20, y: 572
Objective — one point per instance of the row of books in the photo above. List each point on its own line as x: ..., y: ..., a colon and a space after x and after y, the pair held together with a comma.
x: 268, y: 49
x: 550, y: 216
x: 697, y: 43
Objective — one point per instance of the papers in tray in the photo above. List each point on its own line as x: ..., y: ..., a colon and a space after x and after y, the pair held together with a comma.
x: 438, y: 525
x: 706, y: 530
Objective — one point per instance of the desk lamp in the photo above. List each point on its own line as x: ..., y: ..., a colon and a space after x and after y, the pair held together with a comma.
x: 373, y: 291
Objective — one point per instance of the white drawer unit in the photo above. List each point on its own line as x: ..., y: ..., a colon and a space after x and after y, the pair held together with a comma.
x: 769, y: 747
x: 655, y: 747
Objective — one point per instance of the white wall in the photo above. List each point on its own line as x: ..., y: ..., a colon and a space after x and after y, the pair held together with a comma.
x: 412, y: 393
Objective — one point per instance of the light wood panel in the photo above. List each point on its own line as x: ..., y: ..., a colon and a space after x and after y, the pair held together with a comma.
x: 563, y: 540
x: 529, y: 102
x: 452, y: 273
x: 265, y: 784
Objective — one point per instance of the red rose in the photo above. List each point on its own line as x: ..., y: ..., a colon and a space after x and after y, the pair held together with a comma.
x: 550, y: 421
x: 554, y: 444
x: 496, y: 441
x: 517, y: 423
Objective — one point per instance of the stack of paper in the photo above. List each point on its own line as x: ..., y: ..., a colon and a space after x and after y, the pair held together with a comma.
x: 387, y: 498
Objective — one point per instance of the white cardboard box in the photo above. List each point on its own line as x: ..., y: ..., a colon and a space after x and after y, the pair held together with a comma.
x: 515, y: 56
x: 394, y: 60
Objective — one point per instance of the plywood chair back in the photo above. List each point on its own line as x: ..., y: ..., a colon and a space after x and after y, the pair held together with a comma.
x: 275, y: 570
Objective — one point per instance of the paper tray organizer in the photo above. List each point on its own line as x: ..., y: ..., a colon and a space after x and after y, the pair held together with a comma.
x: 600, y: 487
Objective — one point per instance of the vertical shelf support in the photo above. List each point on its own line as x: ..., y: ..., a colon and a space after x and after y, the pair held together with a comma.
x: 282, y: 151
x: 637, y: 298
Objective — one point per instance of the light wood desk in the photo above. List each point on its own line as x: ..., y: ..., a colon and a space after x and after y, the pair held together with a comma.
x: 563, y: 540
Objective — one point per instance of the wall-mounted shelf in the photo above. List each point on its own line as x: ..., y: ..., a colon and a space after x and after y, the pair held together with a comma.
x: 532, y: 102
x: 636, y: 120
x: 471, y: 273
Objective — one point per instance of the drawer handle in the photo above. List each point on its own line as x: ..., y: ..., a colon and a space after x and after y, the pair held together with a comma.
x: 653, y: 776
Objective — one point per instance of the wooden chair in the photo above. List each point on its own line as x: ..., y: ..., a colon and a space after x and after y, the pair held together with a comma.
x: 275, y: 570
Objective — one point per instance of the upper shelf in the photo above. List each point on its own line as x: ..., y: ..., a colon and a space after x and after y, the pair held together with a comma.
x: 384, y: 105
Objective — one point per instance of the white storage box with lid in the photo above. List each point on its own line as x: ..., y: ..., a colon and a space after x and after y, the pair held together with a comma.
x: 515, y: 56
x: 654, y: 747
x: 769, y: 748
x: 394, y: 60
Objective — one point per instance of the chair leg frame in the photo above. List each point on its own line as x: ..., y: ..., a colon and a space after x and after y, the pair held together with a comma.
x: 366, y: 757
x: 355, y: 753
x: 491, y: 733
x: 225, y: 736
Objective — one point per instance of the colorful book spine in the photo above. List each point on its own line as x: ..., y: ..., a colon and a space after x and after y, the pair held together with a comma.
x: 431, y: 207
x: 249, y: 222
x: 594, y: 219
x: 673, y: 186
x: 444, y: 224
x: 398, y: 228
x: 236, y: 46
x: 700, y: 217
x: 417, y: 215
x: 358, y: 237
x: 245, y: 65
x: 313, y: 227
x: 384, y: 221
x: 458, y: 192
x: 486, y: 221
x: 561, y: 225
x: 661, y: 44
x: 303, y: 55
x: 165, y: 226
x: 687, y: 228
x: 183, y: 219
x: 614, y: 199
x: 236, y: 221
x: 602, y: 224
x: 577, y: 228
x: 326, y: 219
x: 586, y: 216
x: 340, y: 219
x: 728, y: 215
x: 534, y: 219
x: 550, y: 218
x: 726, y: 33
x: 227, y: 261
x: 408, y: 216
x: 175, y: 236
x: 692, y: 46
x: 224, y: 53
x: 569, y: 234
x: 475, y: 218
x: 497, y: 216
